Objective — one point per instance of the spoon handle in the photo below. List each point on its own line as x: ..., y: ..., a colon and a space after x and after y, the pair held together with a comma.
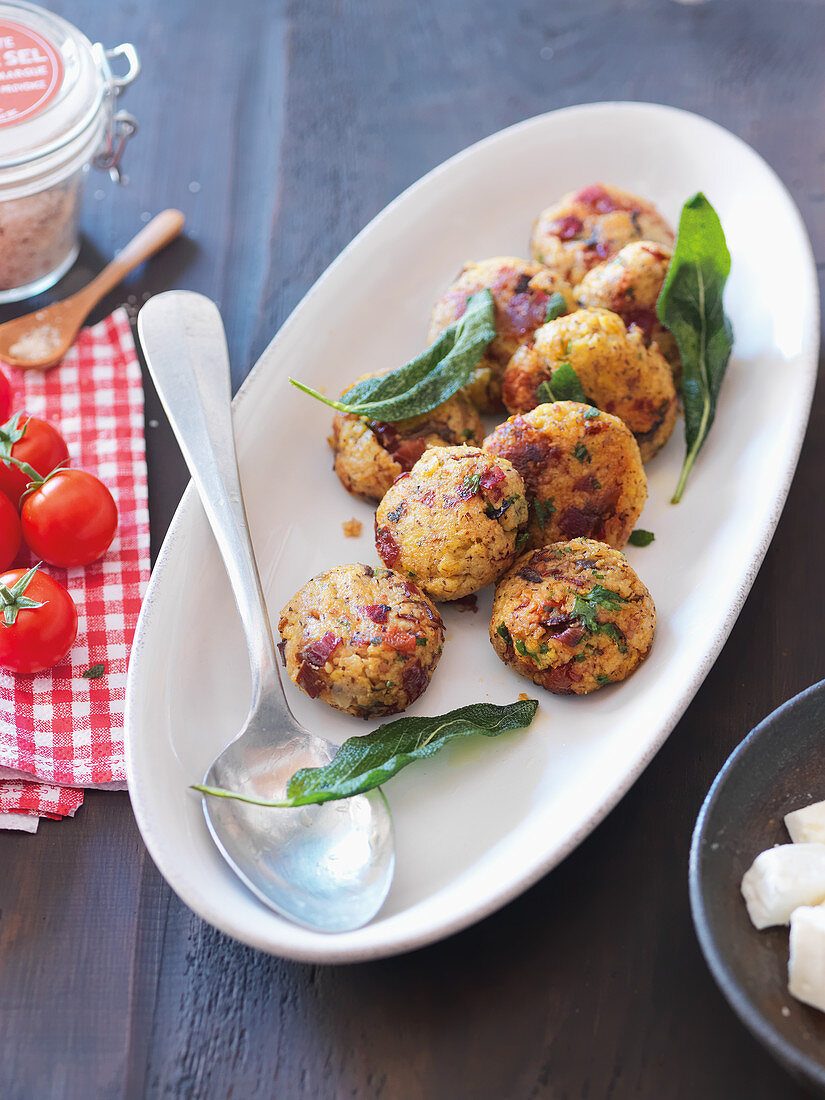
x: 185, y: 347
x: 154, y: 236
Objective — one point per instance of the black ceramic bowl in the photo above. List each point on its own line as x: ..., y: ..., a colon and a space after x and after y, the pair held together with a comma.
x: 779, y: 767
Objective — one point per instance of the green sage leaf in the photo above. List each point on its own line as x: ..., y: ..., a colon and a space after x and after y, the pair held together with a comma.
x: 428, y: 380
x: 691, y: 306
x: 556, y: 307
x: 566, y: 386
x: 363, y: 763
x: 94, y: 672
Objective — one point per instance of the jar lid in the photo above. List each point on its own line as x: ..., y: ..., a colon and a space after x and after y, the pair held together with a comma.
x: 51, y: 81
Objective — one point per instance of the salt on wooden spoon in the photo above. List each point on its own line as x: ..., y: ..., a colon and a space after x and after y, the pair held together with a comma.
x: 39, y: 340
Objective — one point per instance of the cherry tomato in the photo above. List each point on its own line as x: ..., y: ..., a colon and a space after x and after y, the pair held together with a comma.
x: 41, y: 636
x: 70, y: 519
x: 6, y: 399
x: 10, y: 533
x: 41, y: 445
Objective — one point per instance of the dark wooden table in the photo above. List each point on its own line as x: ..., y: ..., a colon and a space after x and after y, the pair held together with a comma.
x: 280, y: 129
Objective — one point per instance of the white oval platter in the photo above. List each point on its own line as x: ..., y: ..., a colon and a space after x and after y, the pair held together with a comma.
x: 478, y: 824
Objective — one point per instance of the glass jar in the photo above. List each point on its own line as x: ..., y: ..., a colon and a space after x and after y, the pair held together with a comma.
x: 57, y: 118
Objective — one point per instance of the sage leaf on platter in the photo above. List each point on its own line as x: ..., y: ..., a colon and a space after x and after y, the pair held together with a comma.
x: 428, y: 380
x: 690, y: 305
x: 363, y: 763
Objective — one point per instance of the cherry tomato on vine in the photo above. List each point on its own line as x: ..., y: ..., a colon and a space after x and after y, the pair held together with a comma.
x: 6, y: 399
x: 69, y: 519
x: 38, y: 624
x: 30, y: 440
x: 10, y: 534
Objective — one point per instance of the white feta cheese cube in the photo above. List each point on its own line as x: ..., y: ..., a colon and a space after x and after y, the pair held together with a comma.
x: 781, y: 879
x: 806, y: 965
x: 807, y: 826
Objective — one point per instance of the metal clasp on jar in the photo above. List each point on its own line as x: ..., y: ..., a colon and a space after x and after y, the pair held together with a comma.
x: 122, y: 125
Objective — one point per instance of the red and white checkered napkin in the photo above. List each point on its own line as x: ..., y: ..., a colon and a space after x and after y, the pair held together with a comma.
x: 58, y: 730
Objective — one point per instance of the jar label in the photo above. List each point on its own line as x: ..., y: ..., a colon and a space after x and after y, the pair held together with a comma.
x: 31, y: 72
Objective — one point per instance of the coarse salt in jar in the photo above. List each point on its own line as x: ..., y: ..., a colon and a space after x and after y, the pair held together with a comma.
x: 57, y: 117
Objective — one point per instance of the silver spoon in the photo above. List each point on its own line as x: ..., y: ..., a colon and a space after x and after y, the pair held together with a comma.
x: 327, y: 867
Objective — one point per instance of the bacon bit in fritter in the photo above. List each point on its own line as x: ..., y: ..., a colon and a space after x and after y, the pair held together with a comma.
x: 522, y: 284
x: 388, y: 549
x: 560, y: 680
x: 318, y: 653
x: 601, y: 249
x: 411, y: 591
x: 528, y: 450
x: 427, y: 498
x: 378, y: 612
x: 503, y: 281
x: 530, y: 575
x: 644, y: 437
x: 523, y: 313
x: 643, y: 319
x: 434, y: 616
x: 567, y: 228
x: 395, y: 515
x: 572, y: 636
x: 369, y: 571
x: 490, y: 481
x: 400, y: 641
x: 465, y: 603
x: 282, y: 651
x: 409, y: 452
x: 310, y: 680
x: 550, y: 616
x: 586, y: 484
x: 386, y: 434
x: 401, y: 477
x: 414, y: 679
x: 652, y: 249
x: 352, y: 528
x: 562, y: 628
x: 577, y: 523
x: 598, y: 199
x: 406, y: 451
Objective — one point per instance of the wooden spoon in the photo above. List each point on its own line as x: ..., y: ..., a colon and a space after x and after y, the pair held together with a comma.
x: 39, y: 340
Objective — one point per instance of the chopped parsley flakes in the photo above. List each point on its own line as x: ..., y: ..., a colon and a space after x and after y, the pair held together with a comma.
x: 586, y: 609
x: 544, y: 510
x: 641, y: 538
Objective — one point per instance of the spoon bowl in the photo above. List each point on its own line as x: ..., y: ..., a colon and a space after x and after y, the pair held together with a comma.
x: 332, y: 862
x: 39, y: 340
x: 327, y: 867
